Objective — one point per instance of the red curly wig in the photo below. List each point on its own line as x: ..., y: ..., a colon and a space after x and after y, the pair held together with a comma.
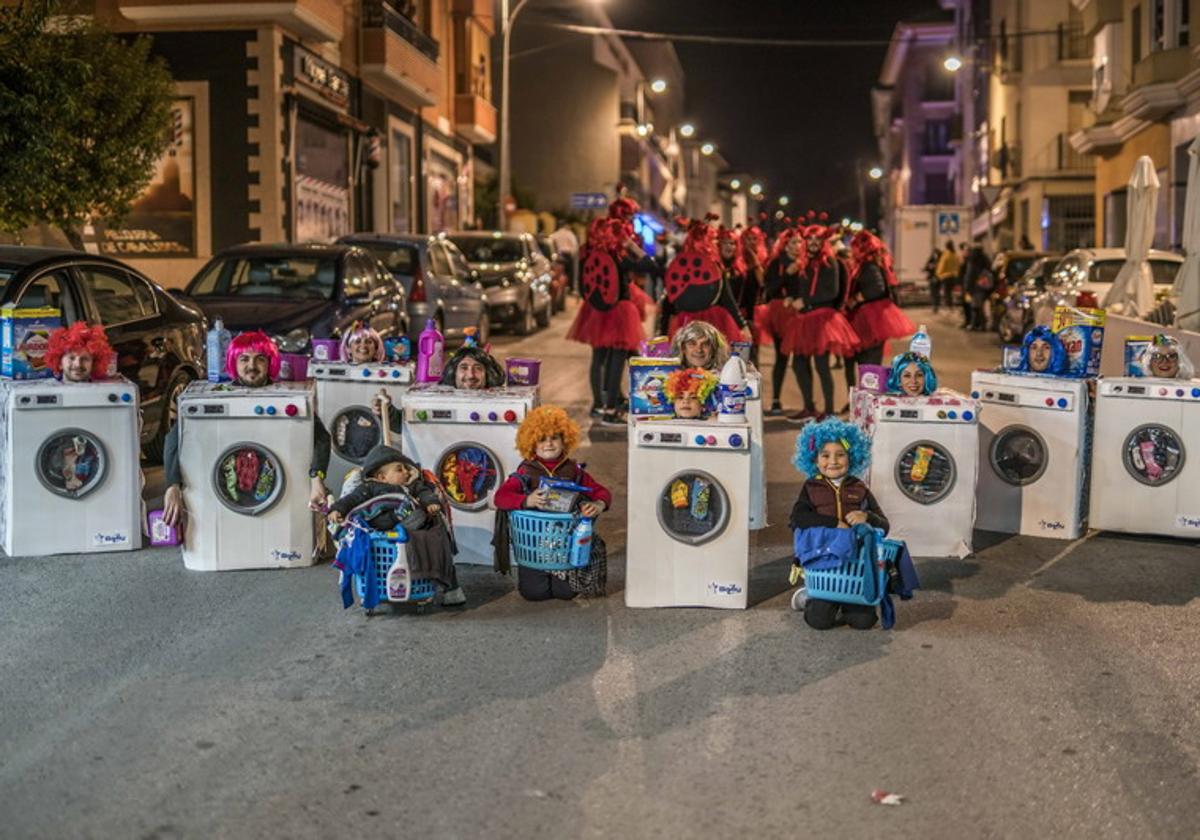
x: 80, y: 337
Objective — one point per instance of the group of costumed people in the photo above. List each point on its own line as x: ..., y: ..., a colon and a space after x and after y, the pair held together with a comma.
x: 810, y: 296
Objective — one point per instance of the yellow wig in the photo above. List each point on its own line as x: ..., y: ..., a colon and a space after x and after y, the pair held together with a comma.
x: 543, y: 422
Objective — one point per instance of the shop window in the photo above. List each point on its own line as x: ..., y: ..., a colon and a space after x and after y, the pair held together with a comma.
x: 400, y: 187
x: 322, y: 195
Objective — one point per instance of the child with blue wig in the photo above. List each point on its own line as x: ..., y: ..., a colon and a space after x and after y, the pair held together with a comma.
x: 1043, y: 352
x: 833, y: 454
x: 912, y: 376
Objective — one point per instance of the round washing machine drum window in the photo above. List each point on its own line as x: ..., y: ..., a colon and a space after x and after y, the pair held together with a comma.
x: 468, y: 473
x: 71, y: 463
x: 1153, y: 454
x: 1019, y: 455
x: 354, y: 432
x: 248, y: 478
x: 693, y: 507
x: 925, y: 472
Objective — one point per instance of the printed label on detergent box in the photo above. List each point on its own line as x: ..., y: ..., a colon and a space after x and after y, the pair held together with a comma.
x: 1189, y: 521
x: 718, y: 588
x: 110, y: 538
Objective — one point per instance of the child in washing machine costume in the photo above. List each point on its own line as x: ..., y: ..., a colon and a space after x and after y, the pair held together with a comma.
x: 252, y: 361
x: 833, y: 508
x: 689, y: 392
x: 546, y: 438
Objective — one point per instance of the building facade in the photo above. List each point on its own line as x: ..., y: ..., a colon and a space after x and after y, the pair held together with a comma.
x: 303, y: 121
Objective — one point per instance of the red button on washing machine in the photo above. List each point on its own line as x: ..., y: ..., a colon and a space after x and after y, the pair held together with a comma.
x: 291, y: 410
x: 510, y: 415
x: 1050, y: 401
x: 712, y: 440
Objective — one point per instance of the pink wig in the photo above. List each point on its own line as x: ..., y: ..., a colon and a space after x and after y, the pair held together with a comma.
x: 252, y: 342
x: 80, y: 338
x: 357, y: 332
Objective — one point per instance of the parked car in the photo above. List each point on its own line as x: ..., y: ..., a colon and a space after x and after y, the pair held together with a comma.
x: 1007, y: 269
x: 1016, y: 309
x: 558, y: 274
x: 296, y: 293
x: 515, y: 276
x: 159, y: 340
x: 437, y: 279
x: 1084, y: 276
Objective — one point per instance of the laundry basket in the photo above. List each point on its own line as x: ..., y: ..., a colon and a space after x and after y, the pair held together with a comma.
x: 384, y: 545
x: 847, y: 584
x: 541, y: 541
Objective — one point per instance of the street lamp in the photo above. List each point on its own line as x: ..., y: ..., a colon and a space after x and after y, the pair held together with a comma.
x: 507, y: 19
x: 783, y: 201
x: 756, y: 189
x: 875, y: 172
x: 687, y: 130
x: 735, y: 184
x: 658, y: 86
x: 708, y: 148
x: 953, y: 63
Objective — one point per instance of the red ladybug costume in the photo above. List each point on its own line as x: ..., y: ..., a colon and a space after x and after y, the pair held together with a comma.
x: 608, y: 317
x: 696, y: 287
x: 874, y: 314
x: 820, y: 328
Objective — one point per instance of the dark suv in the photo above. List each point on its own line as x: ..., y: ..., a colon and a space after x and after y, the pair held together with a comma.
x: 159, y: 340
x: 296, y: 293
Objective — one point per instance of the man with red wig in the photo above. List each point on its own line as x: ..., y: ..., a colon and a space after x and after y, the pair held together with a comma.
x: 252, y: 360
x: 79, y: 353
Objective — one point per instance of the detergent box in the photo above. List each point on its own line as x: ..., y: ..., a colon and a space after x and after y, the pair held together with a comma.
x: 646, y: 378
x: 658, y: 347
x: 24, y: 338
x: 1135, y: 345
x: 872, y: 378
x: 1082, y: 334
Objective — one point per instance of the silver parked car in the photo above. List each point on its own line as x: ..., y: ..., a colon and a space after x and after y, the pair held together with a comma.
x: 515, y: 274
x: 437, y: 278
x: 1084, y: 276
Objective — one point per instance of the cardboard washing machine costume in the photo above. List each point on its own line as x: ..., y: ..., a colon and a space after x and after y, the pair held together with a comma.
x: 462, y: 431
x: 345, y: 398
x: 1146, y: 448
x: 70, y: 460
x: 235, y: 465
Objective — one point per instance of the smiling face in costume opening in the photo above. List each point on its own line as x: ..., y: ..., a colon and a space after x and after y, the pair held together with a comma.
x: 833, y: 461
x: 363, y: 350
x: 912, y: 381
x: 1040, y: 354
x: 688, y: 407
x: 1164, y: 364
x: 550, y: 448
x: 253, y: 368
x: 77, y: 366
x: 697, y: 352
x: 470, y: 375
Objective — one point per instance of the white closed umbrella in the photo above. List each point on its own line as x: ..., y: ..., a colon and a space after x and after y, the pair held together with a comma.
x: 1133, y: 289
x: 1187, y: 281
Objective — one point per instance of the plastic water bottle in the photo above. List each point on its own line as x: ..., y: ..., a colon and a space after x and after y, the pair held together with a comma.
x: 430, y: 353
x: 216, y: 343
x: 581, y: 544
x: 731, y: 391
x: 921, y: 343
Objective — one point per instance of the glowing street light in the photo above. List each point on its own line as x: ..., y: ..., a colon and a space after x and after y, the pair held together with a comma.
x: 708, y: 148
x: 658, y: 85
x: 735, y: 184
x: 875, y: 172
x: 756, y: 189
x: 952, y: 63
x: 687, y: 130
x: 783, y: 201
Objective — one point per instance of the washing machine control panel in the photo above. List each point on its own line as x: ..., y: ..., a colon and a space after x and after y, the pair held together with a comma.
x: 1152, y: 389
x: 928, y: 411
x: 274, y: 407
x: 90, y: 395
x: 695, y: 438
x: 1059, y: 401
x: 503, y: 413
x: 389, y: 374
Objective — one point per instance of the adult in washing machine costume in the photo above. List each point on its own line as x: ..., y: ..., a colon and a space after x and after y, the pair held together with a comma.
x: 1164, y: 358
x: 911, y: 376
x: 1042, y: 352
x: 472, y: 368
x: 79, y: 353
x: 252, y: 361
x: 546, y: 438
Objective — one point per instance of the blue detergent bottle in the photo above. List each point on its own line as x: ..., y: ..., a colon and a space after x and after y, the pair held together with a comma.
x: 581, y: 544
x: 216, y: 344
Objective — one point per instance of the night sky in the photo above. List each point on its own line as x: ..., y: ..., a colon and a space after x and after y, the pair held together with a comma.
x: 798, y: 118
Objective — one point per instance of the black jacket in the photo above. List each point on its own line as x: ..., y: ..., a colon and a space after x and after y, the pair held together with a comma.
x: 421, y: 490
x: 820, y: 499
x: 777, y: 283
x: 826, y: 291
x: 870, y: 283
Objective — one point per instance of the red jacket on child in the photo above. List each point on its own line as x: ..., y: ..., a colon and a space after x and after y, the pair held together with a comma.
x: 511, y: 494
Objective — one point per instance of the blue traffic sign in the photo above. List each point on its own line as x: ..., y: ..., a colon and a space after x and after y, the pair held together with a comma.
x: 588, y: 201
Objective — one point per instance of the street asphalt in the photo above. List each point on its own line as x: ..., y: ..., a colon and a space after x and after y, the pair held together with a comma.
x: 1037, y: 689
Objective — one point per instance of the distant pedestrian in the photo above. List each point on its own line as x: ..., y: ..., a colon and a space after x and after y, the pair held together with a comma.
x: 1026, y: 245
x: 947, y: 271
x: 567, y: 244
x: 977, y: 284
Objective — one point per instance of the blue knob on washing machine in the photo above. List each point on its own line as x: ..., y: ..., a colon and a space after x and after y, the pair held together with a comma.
x: 474, y: 416
x: 258, y: 409
x: 967, y: 415
x: 270, y: 409
x: 953, y: 415
x: 1179, y: 392
x: 366, y: 372
x: 493, y: 416
x: 126, y: 397
x: 1062, y: 402
x: 700, y: 439
x: 735, y: 440
x: 1196, y: 392
x: 395, y: 374
x: 974, y: 395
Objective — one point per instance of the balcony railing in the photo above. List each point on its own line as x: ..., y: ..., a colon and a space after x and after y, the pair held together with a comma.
x: 1069, y: 160
x: 378, y: 14
x: 1073, y: 43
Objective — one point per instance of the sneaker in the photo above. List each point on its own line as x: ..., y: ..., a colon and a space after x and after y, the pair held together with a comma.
x: 776, y: 410
x: 596, y: 411
x: 803, y: 416
x: 799, y: 599
x: 454, y: 597
x: 613, y: 418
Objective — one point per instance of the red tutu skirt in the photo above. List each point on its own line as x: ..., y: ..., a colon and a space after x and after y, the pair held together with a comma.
x: 760, y: 324
x: 776, y: 319
x: 879, y: 321
x: 718, y: 316
x: 619, y: 327
x: 640, y: 299
x: 819, y: 332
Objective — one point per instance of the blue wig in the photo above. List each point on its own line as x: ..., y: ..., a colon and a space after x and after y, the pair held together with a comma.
x: 899, y: 363
x: 814, y: 436
x: 1058, y: 353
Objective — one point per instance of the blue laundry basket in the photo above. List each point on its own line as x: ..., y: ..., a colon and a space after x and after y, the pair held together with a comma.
x: 846, y: 584
x: 541, y: 541
x: 383, y: 554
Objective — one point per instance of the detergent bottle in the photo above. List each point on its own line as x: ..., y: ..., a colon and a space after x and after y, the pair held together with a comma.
x: 921, y: 343
x: 430, y: 353
x: 216, y: 344
x: 581, y: 544
x: 731, y: 391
